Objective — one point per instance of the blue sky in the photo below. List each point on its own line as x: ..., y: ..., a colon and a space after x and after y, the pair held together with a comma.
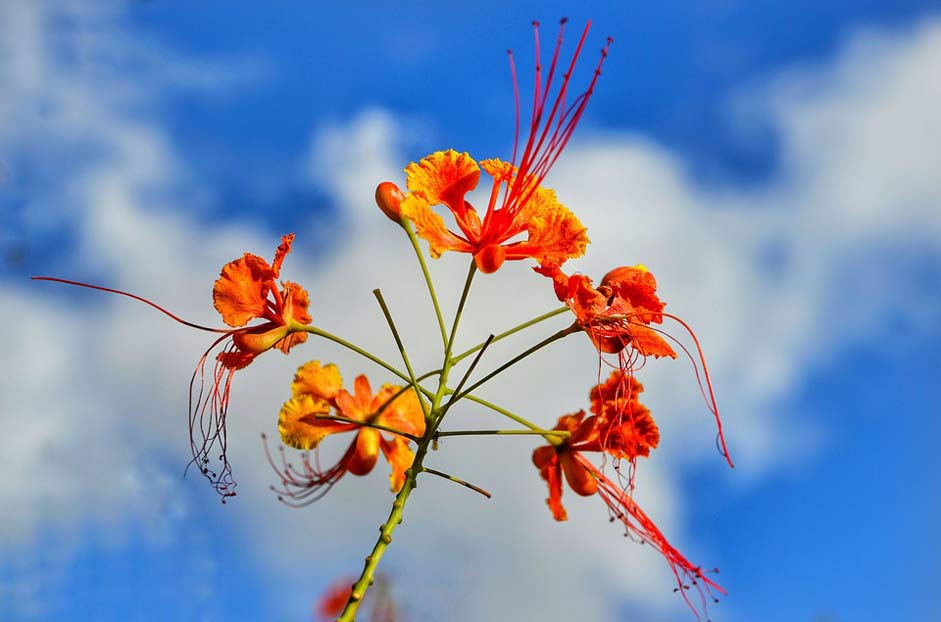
x: 773, y: 163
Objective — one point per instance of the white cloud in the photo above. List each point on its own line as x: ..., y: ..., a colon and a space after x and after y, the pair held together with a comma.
x: 93, y: 394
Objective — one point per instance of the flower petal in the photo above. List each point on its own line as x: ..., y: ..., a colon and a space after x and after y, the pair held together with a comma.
x: 649, y: 343
x: 306, y: 435
x: 239, y: 293
x: 430, y: 226
x: 400, y: 457
x: 444, y: 177
x: 579, y: 478
x: 319, y: 382
x: 404, y: 414
x: 555, y: 233
x: 366, y: 453
x: 283, y: 249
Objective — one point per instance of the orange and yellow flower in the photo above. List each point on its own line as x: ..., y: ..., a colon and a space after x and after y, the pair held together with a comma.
x: 523, y: 219
x: 318, y: 391
x: 623, y: 428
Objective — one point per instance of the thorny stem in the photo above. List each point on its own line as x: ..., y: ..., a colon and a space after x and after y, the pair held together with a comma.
x: 395, y: 515
x: 424, y: 270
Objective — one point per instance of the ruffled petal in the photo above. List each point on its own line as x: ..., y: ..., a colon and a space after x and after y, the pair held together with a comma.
x: 236, y: 359
x: 553, y: 476
x: 283, y: 249
x: 649, y: 343
x: 638, y: 287
x: 400, y: 457
x: 430, y: 226
x: 366, y: 452
x: 239, y: 293
x: 306, y: 435
x: 555, y: 233
x: 444, y: 177
x: 319, y: 382
x: 502, y: 172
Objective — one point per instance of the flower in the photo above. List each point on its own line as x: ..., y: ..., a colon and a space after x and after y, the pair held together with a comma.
x: 246, y: 290
x: 620, y: 426
x: 565, y: 458
x: 618, y: 313
x: 305, y: 420
x: 552, y: 233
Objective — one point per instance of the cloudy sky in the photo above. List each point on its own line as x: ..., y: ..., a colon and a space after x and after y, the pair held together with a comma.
x: 775, y: 164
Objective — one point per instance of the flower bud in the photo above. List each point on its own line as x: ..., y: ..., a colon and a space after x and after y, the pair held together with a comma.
x: 389, y: 199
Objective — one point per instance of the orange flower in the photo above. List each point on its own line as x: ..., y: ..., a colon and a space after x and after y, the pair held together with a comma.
x: 318, y: 390
x: 246, y: 290
x: 566, y: 459
x: 626, y: 428
x: 618, y: 316
x: 619, y: 312
x: 552, y: 233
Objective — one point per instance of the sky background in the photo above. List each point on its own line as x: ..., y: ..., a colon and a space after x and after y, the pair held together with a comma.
x: 775, y: 164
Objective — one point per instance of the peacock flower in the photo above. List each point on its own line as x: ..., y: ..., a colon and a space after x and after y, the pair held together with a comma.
x: 523, y: 219
x: 626, y: 428
x: 565, y: 459
x: 246, y: 290
x: 317, y: 391
x: 618, y: 313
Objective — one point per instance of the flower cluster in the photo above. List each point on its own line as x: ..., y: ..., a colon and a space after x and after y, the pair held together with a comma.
x: 622, y: 316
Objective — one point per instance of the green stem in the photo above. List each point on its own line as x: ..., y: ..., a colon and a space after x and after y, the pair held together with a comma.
x: 448, y: 363
x: 398, y: 506
x: 519, y: 357
x: 367, y: 424
x: 457, y: 480
x: 424, y: 270
x: 506, y: 413
x: 313, y: 330
x: 545, y: 316
x: 398, y: 341
x: 558, y: 433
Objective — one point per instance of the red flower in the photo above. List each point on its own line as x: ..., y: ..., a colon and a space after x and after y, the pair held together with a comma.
x: 620, y: 317
x: 636, y: 436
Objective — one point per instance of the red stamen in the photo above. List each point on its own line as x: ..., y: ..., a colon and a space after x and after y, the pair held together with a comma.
x: 135, y: 297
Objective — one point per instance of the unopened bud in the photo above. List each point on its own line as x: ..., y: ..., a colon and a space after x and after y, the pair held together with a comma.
x: 389, y: 199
